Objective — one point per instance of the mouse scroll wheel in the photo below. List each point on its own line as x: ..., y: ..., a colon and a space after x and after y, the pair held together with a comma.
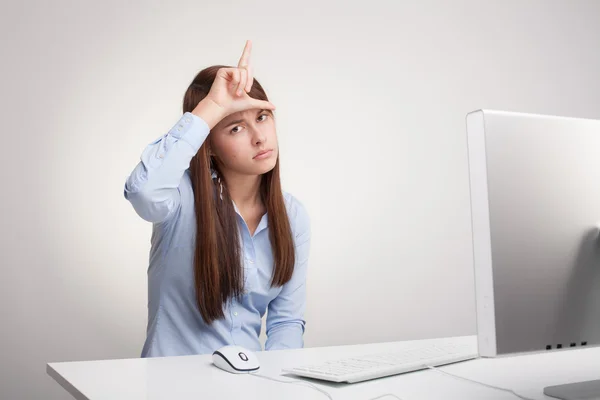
x: 243, y: 356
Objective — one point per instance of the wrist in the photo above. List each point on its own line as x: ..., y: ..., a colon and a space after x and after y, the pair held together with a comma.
x: 209, y: 111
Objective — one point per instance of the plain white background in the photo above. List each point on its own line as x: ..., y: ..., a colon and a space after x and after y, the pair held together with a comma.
x: 371, y: 104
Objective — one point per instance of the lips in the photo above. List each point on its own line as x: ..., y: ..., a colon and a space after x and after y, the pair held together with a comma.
x: 263, y: 154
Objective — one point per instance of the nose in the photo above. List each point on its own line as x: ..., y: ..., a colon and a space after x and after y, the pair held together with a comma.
x: 258, y: 136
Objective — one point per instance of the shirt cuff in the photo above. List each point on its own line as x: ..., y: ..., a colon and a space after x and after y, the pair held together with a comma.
x: 191, y: 129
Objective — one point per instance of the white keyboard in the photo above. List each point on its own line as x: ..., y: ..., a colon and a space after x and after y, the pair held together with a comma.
x: 357, y: 369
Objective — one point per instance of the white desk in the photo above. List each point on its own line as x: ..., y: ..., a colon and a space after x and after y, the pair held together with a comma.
x: 195, y: 378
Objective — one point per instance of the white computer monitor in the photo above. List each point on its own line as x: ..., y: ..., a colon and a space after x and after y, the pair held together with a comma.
x: 535, y: 203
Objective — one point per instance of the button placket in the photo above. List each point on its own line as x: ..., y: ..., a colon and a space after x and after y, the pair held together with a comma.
x: 238, y: 320
x: 250, y: 268
x: 251, y: 252
x: 235, y: 319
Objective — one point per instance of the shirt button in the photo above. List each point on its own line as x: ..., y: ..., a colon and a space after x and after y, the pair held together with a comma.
x: 187, y: 120
x: 251, y: 261
x: 235, y: 313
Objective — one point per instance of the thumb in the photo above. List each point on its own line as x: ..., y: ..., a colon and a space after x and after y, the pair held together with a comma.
x: 263, y: 104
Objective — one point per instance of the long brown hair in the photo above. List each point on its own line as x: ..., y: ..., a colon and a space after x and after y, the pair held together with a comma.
x: 217, y: 262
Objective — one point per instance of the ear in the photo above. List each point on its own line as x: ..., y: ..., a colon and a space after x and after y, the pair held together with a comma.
x: 209, y: 146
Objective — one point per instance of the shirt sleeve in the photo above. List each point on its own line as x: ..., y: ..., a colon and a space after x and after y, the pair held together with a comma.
x: 153, y: 186
x: 285, y: 316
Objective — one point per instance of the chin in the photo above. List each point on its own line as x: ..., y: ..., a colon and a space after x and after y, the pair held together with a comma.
x: 263, y: 169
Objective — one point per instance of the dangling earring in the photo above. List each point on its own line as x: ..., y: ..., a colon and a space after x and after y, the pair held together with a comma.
x: 216, y: 174
x: 221, y: 185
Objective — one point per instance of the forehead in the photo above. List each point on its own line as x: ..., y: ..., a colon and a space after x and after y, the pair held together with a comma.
x: 241, y: 115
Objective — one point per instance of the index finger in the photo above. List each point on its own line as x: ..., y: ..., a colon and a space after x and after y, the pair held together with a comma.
x: 245, y: 58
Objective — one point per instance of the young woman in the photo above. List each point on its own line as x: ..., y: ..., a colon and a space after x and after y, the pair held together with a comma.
x: 227, y: 243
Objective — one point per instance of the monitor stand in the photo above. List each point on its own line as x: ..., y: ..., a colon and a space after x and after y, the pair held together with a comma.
x: 588, y: 390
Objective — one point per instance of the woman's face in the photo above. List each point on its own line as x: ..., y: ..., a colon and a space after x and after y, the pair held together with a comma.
x: 237, y: 140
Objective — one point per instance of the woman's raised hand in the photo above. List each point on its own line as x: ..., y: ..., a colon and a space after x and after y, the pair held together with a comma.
x: 229, y: 91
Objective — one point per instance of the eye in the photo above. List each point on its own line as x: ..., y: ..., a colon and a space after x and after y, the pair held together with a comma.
x: 238, y: 126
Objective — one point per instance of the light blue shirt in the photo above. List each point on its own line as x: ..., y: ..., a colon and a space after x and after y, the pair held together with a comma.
x: 160, y: 190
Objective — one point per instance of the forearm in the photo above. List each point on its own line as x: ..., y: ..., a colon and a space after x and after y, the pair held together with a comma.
x: 288, y: 335
x: 152, y: 186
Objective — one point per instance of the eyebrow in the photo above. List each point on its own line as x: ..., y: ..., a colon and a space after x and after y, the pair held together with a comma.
x: 237, y: 121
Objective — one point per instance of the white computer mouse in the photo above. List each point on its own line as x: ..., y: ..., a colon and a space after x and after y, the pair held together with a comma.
x: 236, y: 359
